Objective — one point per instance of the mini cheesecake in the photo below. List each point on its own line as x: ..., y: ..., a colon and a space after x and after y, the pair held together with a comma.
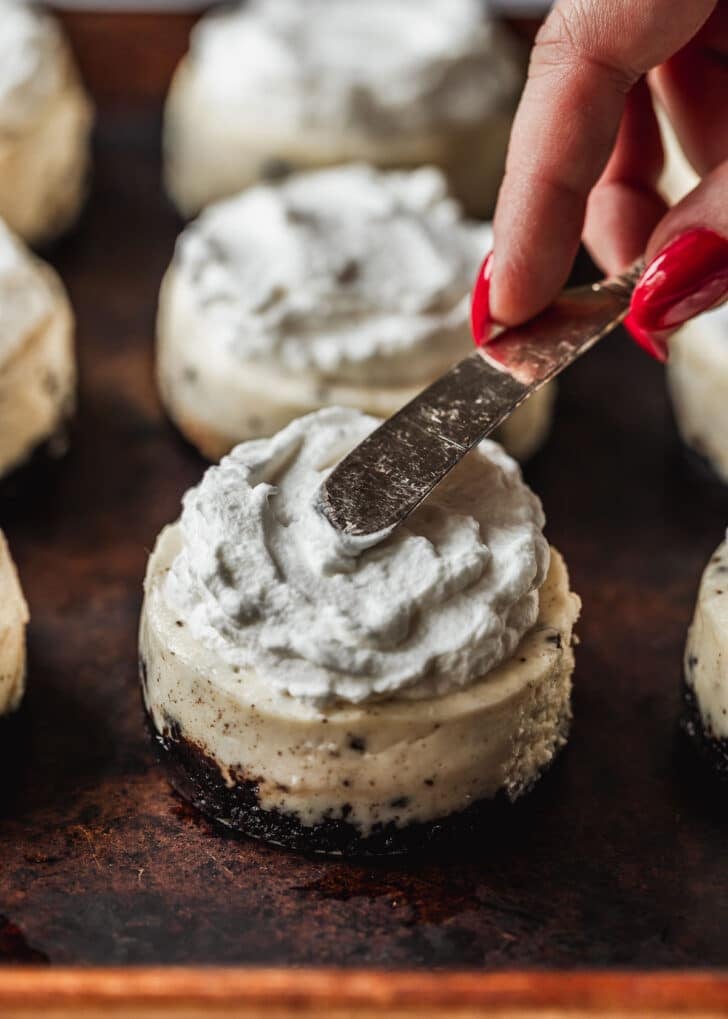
x: 348, y: 286
x: 13, y: 620
x: 45, y: 124
x: 706, y: 665
x: 697, y: 374
x: 354, y: 700
x: 270, y: 87
x: 37, y: 361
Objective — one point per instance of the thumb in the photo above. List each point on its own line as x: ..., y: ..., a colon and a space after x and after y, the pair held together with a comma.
x: 687, y: 265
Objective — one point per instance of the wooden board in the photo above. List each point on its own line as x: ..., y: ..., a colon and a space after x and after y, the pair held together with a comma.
x: 281, y: 994
x: 617, y: 861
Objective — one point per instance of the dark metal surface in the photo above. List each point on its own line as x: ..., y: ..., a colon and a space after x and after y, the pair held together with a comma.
x: 389, y: 474
x: 618, y: 858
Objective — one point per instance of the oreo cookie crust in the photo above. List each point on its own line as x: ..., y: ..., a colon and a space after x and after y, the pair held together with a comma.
x: 195, y: 776
x: 711, y: 748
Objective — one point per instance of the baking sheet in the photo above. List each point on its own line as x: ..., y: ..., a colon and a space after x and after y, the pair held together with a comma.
x: 617, y: 859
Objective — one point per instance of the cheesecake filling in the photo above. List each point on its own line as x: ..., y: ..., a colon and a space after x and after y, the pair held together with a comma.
x: 26, y: 295
x: 264, y: 581
x: 13, y: 620
x: 707, y: 645
x: 347, y: 274
x: 33, y: 64
x: 697, y: 375
x: 340, y: 65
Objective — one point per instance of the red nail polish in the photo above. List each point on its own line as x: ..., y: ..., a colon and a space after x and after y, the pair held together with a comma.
x: 687, y: 278
x: 480, y: 317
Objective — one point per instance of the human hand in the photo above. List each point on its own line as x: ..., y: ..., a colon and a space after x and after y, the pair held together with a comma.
x: 585, y: 157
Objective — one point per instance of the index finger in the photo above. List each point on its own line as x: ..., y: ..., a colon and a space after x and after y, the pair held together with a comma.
x: 587, y: 57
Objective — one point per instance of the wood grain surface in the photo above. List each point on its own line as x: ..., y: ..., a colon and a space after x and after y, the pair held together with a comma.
x: 279, y: 994
x: 616, y: 861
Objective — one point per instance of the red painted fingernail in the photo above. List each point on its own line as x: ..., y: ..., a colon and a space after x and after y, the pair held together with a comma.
x: 480, y: 317
x: 688, y: 277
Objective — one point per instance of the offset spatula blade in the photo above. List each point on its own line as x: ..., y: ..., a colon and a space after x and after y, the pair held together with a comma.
x: 389, y: 474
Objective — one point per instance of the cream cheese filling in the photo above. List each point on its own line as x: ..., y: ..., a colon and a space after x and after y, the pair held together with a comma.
x: 706, y: 654
x: 697, y: 375
x: 13, y: 620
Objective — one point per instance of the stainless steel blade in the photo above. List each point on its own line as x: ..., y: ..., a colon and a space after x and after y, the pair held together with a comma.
x: 389, y: 474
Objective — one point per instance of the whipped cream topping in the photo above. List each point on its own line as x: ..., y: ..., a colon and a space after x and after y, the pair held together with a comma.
x: 264, y: 580
x: 32, y: 62
x: 377, y: 67
x: 26, y: 297
x: 347, y: 273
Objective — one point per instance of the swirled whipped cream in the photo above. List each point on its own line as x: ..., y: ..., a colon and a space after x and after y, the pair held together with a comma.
x: 26, y: 298
x: 375, y: 67
x: 32, y: 62
x: 264, y: 580
x: 347, y: 273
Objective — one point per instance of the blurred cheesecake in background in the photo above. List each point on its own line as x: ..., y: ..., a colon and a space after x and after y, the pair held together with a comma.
x: 278, y: 85
x: 697, y: 374
x: 678, y: 176
x: 13, y: 620
x: 705, y: 686
x: 348, y: 285
x: 37, y: 363
x: 45, y: 120
x: 697, y: 371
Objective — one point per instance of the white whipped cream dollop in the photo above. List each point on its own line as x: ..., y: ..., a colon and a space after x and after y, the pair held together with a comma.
x: 347, y: 273
x: 32, y: 63
x: 377, y: 67
x: 264, y: 580
x: 26, y: 297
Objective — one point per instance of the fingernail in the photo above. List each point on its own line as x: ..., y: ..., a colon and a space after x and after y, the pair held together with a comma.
x: 688, y: 277
x: 481, y: 321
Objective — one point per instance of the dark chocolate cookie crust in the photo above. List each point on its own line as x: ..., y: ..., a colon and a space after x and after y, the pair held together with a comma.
x: 196, y: 777
x: 713, y: 749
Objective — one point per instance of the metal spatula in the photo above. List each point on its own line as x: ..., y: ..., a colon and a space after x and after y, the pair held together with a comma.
x: 389, y: 474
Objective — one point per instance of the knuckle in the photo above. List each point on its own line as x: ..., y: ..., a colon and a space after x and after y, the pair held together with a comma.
x: 575, y: 36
